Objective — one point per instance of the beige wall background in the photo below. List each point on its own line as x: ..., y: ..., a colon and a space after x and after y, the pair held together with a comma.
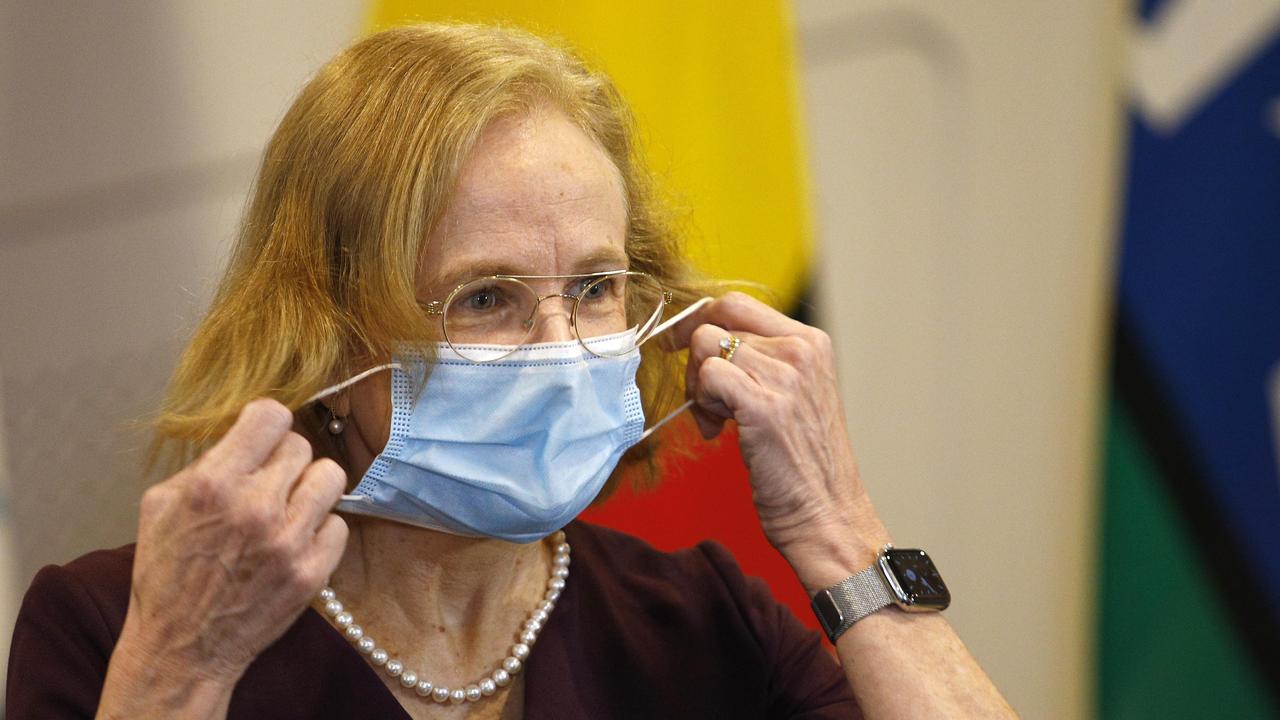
x: 963, y: 179
x: 129, y: 134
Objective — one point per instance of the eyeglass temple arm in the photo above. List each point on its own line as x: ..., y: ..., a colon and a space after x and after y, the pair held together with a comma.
x: 663, y: 327
x: 654, y: 317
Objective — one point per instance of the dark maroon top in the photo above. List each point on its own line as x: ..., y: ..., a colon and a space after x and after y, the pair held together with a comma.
x: 637, y: 633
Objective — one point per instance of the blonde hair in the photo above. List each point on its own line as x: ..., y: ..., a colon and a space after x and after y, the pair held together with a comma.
x: 323, y: 272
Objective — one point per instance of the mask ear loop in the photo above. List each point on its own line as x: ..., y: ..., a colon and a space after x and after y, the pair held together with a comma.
x: 348, y: 383
x: 343, y: 386
x: 670, y: 416
x: 656, y: 331
x: 666, y: 325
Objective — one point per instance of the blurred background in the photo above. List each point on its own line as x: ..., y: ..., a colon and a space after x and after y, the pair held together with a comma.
x: 1044, y: 236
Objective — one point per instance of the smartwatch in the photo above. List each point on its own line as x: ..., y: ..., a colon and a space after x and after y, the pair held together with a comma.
x: 900, y: 576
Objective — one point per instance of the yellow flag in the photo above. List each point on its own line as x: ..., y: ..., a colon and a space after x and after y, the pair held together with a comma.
x: 713, y: 88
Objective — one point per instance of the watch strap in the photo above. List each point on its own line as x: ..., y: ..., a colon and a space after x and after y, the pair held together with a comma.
x: 855, y: 597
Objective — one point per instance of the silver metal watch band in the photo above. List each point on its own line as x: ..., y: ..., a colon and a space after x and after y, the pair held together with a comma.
x: 857, y: 596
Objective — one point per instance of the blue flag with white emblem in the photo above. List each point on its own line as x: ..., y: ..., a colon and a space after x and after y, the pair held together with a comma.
x: 1190, y: 606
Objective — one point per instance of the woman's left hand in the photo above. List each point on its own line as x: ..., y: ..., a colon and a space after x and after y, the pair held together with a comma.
x: 780, y: 387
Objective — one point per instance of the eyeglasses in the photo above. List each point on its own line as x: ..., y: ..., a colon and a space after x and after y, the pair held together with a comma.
x: 490, y: 317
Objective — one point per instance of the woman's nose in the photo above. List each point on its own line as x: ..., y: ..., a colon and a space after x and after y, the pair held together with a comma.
x: 552, y: 321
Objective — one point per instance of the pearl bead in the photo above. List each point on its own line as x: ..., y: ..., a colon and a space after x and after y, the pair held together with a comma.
x: 501, y: 677
x: 336, y: 426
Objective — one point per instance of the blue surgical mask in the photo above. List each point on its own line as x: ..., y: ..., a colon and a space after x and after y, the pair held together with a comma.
x: 512, y: 449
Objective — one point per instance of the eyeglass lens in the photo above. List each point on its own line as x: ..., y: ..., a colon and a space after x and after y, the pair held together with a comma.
x: 505, y: 311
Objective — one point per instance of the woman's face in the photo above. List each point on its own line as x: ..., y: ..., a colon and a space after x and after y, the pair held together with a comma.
x: 535, y: 197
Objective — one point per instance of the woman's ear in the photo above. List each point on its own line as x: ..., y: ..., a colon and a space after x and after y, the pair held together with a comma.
x: 339, y: 405
x: 314, y: 423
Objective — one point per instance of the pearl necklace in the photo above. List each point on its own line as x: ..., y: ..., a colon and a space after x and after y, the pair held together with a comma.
x: 489, y: 684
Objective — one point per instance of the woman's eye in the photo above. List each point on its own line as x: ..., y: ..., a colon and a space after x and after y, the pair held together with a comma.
x: 598, y: 290
x: 483, y: 300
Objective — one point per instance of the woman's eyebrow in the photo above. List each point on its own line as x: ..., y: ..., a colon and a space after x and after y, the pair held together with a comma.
x: 604, y: 258
x: 470, y: 271
x: 598, y: 260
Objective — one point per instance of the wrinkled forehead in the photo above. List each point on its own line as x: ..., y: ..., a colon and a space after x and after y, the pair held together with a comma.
x: 536, y: 196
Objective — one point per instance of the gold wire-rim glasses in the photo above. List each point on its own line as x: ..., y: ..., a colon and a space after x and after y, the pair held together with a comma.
x: 591, y: 280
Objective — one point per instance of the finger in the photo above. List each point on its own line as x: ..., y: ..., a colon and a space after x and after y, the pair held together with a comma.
x: 709, y: 424
x: 315, y: 494
x: 723, y: 388
x: 760, y: 357
x: 281, y: 472
x: 766, y: 360
x: 254, y: 436
x: 733, y: 312
x: 704, y: 343
x: 326, y: 550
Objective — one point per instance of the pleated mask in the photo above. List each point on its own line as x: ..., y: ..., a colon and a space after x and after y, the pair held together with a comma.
x: 512, y: 449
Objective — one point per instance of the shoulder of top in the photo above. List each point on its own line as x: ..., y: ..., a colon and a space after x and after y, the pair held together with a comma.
x: 630, y: 554
x: 102, y: 573
x: 692, y: 583
x: 111, y: 561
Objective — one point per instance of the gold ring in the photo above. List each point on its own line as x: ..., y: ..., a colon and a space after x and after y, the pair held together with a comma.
x: 729, y: 346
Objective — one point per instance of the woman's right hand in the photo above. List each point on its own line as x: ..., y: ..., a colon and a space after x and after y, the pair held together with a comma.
x: 232, y: 548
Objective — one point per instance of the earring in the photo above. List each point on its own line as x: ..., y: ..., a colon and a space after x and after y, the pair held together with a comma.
x: 336, y: 424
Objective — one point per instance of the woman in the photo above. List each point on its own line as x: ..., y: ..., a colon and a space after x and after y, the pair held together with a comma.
x: 451, y: 269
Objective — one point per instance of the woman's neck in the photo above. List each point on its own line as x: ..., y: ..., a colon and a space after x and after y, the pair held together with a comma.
x: 439, y: 596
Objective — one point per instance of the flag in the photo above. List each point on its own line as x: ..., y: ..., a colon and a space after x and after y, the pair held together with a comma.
x: 1189, y: 611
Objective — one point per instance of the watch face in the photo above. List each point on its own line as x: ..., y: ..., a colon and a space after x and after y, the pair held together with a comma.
x: 918, y: 578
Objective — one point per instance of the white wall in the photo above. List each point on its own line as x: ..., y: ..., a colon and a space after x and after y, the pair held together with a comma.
x: 963, y: 158
x: 8, y: 558
x: 129, y: 133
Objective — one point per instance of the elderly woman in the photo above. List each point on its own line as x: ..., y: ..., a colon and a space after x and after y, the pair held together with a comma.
x: 459, y: 290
